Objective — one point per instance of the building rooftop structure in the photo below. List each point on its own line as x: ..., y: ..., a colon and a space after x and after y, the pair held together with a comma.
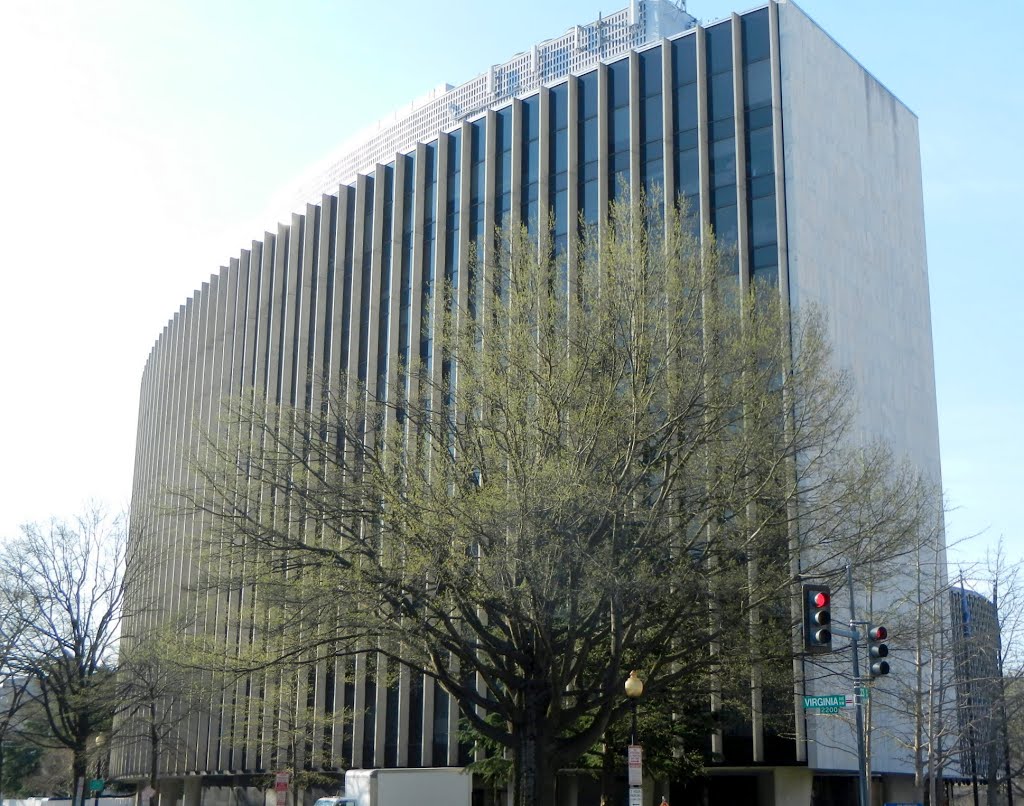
x: 445, y: 107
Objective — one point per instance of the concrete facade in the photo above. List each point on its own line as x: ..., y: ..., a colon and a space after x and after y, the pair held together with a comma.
x: 765, y: 127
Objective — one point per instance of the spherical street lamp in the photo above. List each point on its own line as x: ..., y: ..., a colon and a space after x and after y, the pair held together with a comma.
x: 634, y: 689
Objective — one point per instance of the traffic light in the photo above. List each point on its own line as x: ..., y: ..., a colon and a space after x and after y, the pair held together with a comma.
x: 878, y: 651
x: 817, y: 618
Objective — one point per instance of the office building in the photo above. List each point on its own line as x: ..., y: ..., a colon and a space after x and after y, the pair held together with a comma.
x: 760, y: 123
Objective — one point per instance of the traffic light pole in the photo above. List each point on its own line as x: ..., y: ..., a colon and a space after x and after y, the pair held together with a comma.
x: 858, y: 684
x: 818, y: 631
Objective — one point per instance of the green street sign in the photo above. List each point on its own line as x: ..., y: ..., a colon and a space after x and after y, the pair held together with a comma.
x: 96, y: 784
x: 827, y: 703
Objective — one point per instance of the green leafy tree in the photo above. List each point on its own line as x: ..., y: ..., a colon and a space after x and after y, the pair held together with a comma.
x: 595, y: 458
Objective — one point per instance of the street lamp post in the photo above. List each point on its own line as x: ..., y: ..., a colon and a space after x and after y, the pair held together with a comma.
x: 99, y: 741
x: 634, y: 689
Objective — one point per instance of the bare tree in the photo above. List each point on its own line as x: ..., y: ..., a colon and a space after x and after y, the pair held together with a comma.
x: 64, y: 581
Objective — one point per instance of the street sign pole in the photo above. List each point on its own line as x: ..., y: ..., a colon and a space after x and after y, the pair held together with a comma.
x: 862, y: 767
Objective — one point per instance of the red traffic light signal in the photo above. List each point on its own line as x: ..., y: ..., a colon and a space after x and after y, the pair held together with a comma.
x: 877, y: 651
x: 817, y: 617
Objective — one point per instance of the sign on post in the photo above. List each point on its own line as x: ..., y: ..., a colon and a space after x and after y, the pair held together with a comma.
x: 828, y: 703
x: 281, y: 780
x: 96, y: 784
x: 636, y: 796
x: 635, y: 760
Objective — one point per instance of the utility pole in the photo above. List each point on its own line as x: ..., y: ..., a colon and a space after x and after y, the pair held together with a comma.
x: 858, y: 688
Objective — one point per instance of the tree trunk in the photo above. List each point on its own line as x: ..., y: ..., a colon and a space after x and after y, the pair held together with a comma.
x: 535, y: 769
x: 79, y: 770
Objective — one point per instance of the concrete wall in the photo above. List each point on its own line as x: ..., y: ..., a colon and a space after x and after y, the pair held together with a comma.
x: 855, y: 227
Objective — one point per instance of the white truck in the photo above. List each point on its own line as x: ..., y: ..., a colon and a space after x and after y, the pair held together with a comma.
x: 436, y: 786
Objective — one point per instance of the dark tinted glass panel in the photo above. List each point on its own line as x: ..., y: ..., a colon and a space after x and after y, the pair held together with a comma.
x: 530, y: 118
x: 415, y: 720
x: 650, y: 72
x: 724, y: 196
x: 391, y: 728
x: 650, y: 121
x: 688, y: 172
x: 762, y: 185
x: 370, y: 714
x: 503, y: 129
x: 759, y: 153
x: 559, y: 107
x: 685, y: 111
x: 719, y: 43
x: 720, y: 96
x: 588, y: 95
x: 477, y: 143
x: 560, y: 148
x: 588, y: 199
x: 765, y: 280
x: 723, y: 162
x: 724, y: 222
x: 684, y: 60
x: 618, y: 83
x: 654, y: 178
x: 756, y: 44
x: 619, y: 128
x: 757, y: 88
x: 762, y: 221
x: 759, y: 117
x: 765, y: 256
x: 440, y: 726
x: 650, y: 150
x: 588, y: 140
x: 686, y: 139
x: 721, y: 129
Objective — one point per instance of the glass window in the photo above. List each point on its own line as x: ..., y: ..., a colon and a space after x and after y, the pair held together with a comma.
x: 759, y: 117
x: 757, y: 87
x: 685, y: 111
x: 720, y: 103
x: 650, y: 72
x: 560, y: 149
x: 762, y: 185
x: 588, y: 95
x: 559, y: 107
x: 724, y: 196
x: 719, y: 48
x: 686, y: 139
x: 684, y: 60
x: 723, y: 162
x: 760, y: 160
x: 588, y: 140
x: 688, y: 172
x: 618, y: 83
x: 762, y: 221
x: 724, y: 223
x: 756, y: 44
x: 650, y: 120
x: 620, y: 129
x: 764, y: 256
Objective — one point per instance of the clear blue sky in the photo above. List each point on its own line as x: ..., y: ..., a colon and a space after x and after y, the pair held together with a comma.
x: 140, y: 144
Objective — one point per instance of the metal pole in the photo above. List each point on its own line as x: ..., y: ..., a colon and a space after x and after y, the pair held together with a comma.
x: 862, y: 767
x: 633, y: 740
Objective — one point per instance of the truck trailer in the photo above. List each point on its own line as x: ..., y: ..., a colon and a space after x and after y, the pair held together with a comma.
x: 434, y: 786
